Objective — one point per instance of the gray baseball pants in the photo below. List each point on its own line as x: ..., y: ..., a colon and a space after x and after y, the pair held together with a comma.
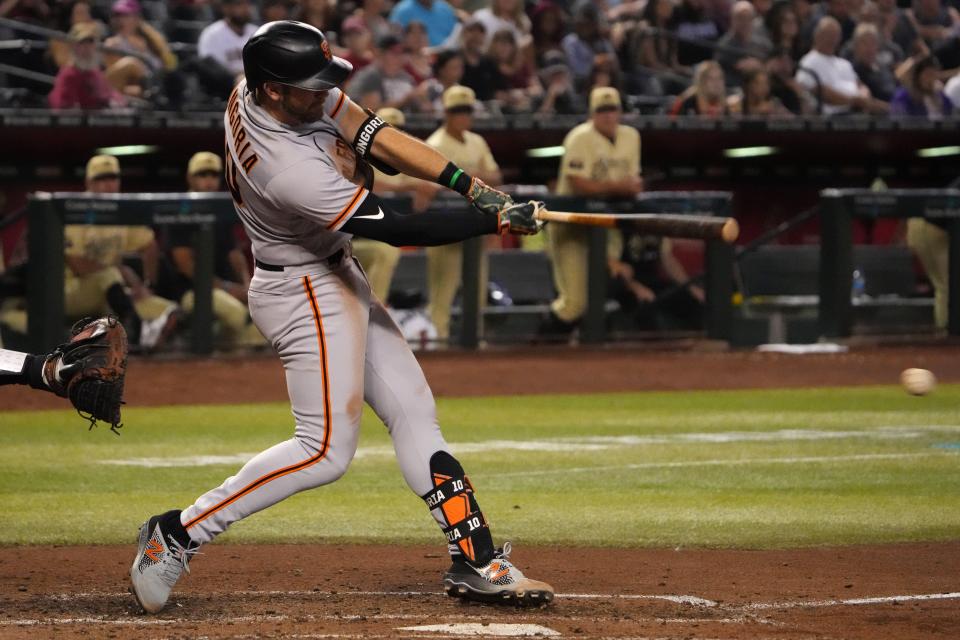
x: 339, y: 348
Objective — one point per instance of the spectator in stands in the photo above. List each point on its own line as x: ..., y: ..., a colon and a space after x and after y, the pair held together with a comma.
x: 419, y: 63
x: 548, y: 26
x: 696, y: 32
x: 807, y: 21
x: 930, y: 241
x: 650, y: 52
x: 372, y: 13
x: 81, y: 83
x: 471, y: 153
x: 878, y: 78
x: 318, y: 13
x: 889, y: 53
x: 231, y: 271
x: 782, y: 28
x: 479, y: 71
x: 742, y: 50
x: 831, y: 77
x: 146, y: 52
x: 357, y: 43
x: 601, y: 160
x: 518, y: 83
x: 559, y: 95
x: 220, y: 47
x: 72, y: 14
x: 898, y: 25
x: 438, y: 17
x: 447, y: 72
x: 707, y: 97
x: 952, y: 90
x: 96, y: 278
x: 936, y: 22
x: 781, y: 69
x: 385, y: 83
x: 505, y: 14
x: 921, y: 95
x: 756, y: 98
x: 839, y: 10
x: 587, y: 47
x: 644, y: 278
x: 273, y: 10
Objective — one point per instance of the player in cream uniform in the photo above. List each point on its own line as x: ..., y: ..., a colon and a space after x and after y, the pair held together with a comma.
x: 468, y: 150
x: 601, y: 159
x: 231, y: 271
x: 96, y: 281
x: 300, y: 202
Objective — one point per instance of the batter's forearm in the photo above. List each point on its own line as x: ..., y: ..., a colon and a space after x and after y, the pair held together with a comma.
x: 409, y: 155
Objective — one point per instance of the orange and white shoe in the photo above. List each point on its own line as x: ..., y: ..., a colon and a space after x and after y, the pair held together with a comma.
x: 499, y: 581
x: 159, y: 562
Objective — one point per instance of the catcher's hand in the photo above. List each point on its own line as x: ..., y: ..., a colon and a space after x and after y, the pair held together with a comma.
x: 520, y: 219
x: 90, y: 369
x: 486, y: 198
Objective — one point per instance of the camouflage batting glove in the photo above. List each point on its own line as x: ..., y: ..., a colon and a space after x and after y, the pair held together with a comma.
x: 520, y: 219
x: 486, y: 198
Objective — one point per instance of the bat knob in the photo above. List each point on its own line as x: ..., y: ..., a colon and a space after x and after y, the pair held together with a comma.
x: 730, y: 231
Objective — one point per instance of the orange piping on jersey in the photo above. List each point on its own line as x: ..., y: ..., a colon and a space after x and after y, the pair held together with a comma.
x: 312, y: 460
x: 336, y: 108
x: 359, y: 193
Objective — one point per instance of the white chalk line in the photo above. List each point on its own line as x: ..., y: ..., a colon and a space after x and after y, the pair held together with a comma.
x: 679, y: 599
x: 794, y: 604
x: 580, y: 444
x: 731, y: 462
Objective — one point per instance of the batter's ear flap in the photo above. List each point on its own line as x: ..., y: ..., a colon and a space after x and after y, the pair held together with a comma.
x: 363, y: 142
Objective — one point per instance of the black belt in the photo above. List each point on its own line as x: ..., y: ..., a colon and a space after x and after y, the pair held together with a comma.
x: 332, y: 261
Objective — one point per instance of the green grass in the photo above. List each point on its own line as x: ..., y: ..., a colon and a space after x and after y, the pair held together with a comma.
x: 667, y: 491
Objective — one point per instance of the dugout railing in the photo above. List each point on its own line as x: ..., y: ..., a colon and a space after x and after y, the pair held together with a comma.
x: 49, y: 212
x: 838, y: 210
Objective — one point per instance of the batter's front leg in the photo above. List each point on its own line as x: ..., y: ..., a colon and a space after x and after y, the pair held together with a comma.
x: 396, y: 389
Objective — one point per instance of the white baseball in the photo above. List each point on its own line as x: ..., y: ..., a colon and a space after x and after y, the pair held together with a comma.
x: 918, y: 382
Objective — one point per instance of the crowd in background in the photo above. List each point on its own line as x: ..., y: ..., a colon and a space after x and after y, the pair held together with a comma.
x: 710, y: 58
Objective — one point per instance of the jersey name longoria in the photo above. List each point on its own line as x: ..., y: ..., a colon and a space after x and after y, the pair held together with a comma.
x: 285, y: 185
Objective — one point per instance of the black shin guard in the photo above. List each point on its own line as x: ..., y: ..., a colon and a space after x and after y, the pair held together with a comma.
x: 465, y: 527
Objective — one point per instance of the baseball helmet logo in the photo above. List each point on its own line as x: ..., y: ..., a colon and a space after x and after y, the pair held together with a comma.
x: 325, y: 47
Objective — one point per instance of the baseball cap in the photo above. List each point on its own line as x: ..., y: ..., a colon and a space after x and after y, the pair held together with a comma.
x: 604, y: 99
x: 102, y: 167
x: 392, y: 116
x: 458, y: 97
x: 84, y: 31
x: 204, y: 161
x: 474, y: 23
x: 125, y: 7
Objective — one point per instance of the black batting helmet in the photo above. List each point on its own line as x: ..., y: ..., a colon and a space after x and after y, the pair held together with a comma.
x: 294, y: 54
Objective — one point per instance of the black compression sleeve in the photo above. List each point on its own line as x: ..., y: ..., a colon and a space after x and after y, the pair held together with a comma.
x: 426, y: 229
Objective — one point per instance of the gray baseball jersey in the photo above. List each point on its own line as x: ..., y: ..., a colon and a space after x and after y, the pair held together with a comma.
x: 338, y: 345
x: 284, y: 182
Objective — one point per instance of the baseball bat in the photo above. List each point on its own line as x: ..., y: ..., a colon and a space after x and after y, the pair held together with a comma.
x: 660, y: 224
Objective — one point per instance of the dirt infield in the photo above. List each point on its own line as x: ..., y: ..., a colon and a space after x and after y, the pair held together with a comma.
x: 318, y: 591
x: 899, y: 591
x: 454, y: 373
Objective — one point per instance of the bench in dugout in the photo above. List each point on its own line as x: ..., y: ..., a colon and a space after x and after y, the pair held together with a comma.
x: 780, y: 293
x: 520, y: 291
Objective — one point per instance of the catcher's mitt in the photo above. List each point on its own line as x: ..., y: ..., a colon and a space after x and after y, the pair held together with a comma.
x: 90, y: 369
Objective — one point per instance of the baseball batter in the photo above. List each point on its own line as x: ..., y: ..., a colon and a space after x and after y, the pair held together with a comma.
x: 300, y: 206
